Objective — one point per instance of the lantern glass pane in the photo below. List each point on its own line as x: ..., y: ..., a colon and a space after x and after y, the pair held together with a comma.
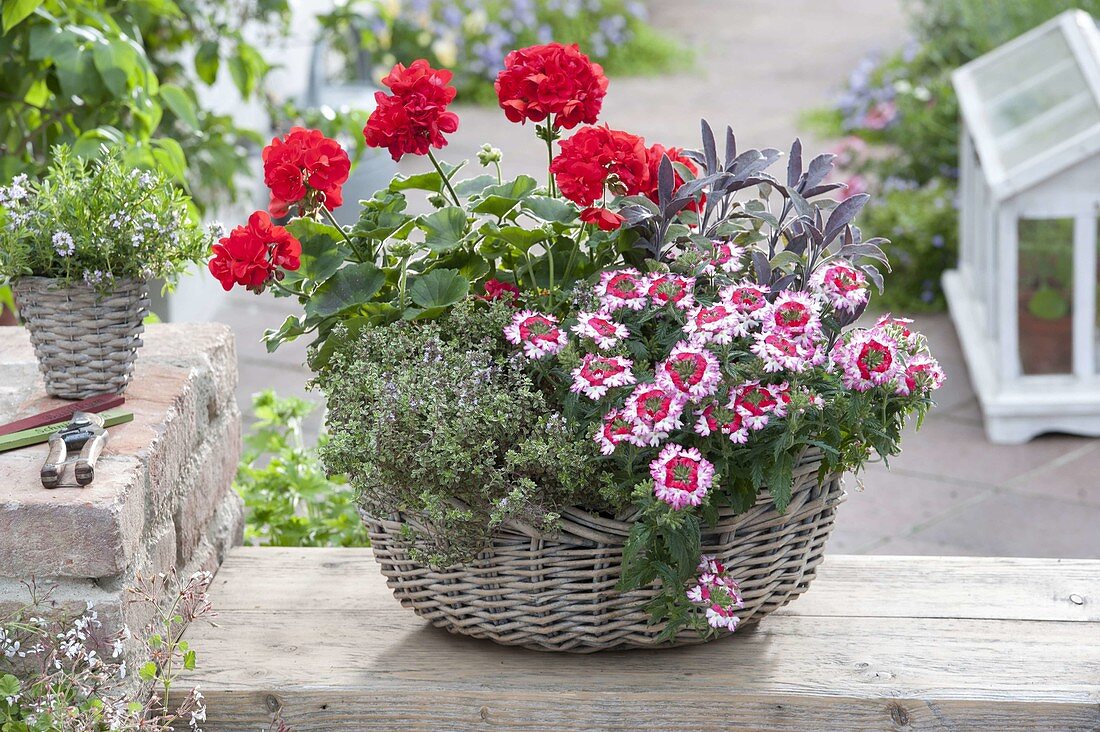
x: 1034, y: 98
x: 1045, y: 295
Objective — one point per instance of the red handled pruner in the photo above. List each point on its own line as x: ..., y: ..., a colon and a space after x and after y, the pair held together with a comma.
x: 79, y: 443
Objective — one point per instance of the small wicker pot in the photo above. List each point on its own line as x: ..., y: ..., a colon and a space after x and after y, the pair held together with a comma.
x: 85, y: 342
x: 557, y: 593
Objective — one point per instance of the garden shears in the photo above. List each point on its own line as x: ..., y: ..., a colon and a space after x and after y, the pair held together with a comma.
x: 79, y: 443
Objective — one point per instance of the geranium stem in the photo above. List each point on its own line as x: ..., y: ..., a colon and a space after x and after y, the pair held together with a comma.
x: 446, y: 180
x: 336, y: 224
x: 550, y: 186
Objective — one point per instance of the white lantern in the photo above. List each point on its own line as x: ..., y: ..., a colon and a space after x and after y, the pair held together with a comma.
x: 1024, y: 296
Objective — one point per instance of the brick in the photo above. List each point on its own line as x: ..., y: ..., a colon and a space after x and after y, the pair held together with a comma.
x: 204, y: 485
x: 69, y: 532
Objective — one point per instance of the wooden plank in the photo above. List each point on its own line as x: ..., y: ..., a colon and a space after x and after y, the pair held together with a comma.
x: 991, y: 588
x: 315, y: 635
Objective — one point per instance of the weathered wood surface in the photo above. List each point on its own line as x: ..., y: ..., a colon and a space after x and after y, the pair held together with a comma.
x: 878, y: 643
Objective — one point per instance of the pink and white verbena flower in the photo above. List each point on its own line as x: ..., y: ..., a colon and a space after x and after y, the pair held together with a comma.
x: 842, y: 285
x: 597, y: 374
x: 750, y: 301
x: 690, y: 370
x: 922, y: 375
x: 681, y: 476
x: 654, y: 412
x: 671, y: 289
x: 868, y: 358
x: 757, y: 403
x: 615, y: 428
x: 733, y: 426
x: 600, y: 328
x: 718, y: 593
x: 794, y: 314
x: 712, y: 323
x: 622, y: 288
x: 726, y: 257
x: 538, y: 333
x: 899, y: 330
x: 782, y: 353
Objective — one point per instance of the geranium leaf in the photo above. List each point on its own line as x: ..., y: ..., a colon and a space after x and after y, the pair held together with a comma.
x: 445, y: 229
x: 322, y: 252
x: 550, y: 209
x: 349, y: 288
x: 439, y: 288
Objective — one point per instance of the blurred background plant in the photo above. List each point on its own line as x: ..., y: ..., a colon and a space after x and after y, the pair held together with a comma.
x: 901, y: 119
x: 289, y: 499
x: 471, y: 37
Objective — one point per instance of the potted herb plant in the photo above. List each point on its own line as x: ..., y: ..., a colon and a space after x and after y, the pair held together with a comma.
x: 611, y: 409
x: 79, y: 246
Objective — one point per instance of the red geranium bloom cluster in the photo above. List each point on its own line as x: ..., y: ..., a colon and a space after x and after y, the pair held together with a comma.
x: 551, y: 80
x: 252, y: 255
x: 414, y: 118
x: 301, y: 164
x: 597, y: 156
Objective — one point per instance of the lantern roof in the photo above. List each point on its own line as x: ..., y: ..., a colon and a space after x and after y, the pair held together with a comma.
x: 1032, y: 106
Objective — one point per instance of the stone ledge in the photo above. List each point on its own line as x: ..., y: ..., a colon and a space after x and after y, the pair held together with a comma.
x: 161, y: 499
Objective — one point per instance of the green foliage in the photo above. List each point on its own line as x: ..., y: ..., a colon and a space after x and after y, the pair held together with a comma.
x: 289, y: 499
x: 921, y: 143
x: 471, y: 37
x: 431, y: 420
x: 395, y: 266
x: 97, y: 221
x: 92, y: 72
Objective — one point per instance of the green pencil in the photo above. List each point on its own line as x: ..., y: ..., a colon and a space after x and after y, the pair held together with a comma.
x: 41, y: 434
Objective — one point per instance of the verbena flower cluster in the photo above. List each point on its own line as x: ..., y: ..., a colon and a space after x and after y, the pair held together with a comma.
x: 69, y: 674
x: 96, y: 222
x: 695, y: 354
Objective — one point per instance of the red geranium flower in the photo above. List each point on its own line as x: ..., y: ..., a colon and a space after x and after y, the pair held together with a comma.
x: 597, y: 156
x: 497, y: 290
x: 602, y: 217
x: 553, y: 79
x: 250, y: 254
x: 414, y: 118
x: 675, y: 154
x: 302, y: 162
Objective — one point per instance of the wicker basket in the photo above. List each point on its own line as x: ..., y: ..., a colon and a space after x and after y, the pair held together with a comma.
x: 85, y: 342
x: 558, y: 593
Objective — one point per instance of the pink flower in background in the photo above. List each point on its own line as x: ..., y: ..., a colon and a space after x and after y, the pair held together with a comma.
x: 881, y: 115
x: 842, y: 285
x: 681, y: 476
x: 689, y: 370
x: 855, y: 185
x: 622, y: 288
x: 849, y: 151
x: 597, y: 374
x: 538, y: 333
x: 671, y: 289
x: 600, y: 329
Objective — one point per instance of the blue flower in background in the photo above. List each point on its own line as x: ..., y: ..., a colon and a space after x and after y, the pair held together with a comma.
x: 545, y: 34
x: 937, y: 241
